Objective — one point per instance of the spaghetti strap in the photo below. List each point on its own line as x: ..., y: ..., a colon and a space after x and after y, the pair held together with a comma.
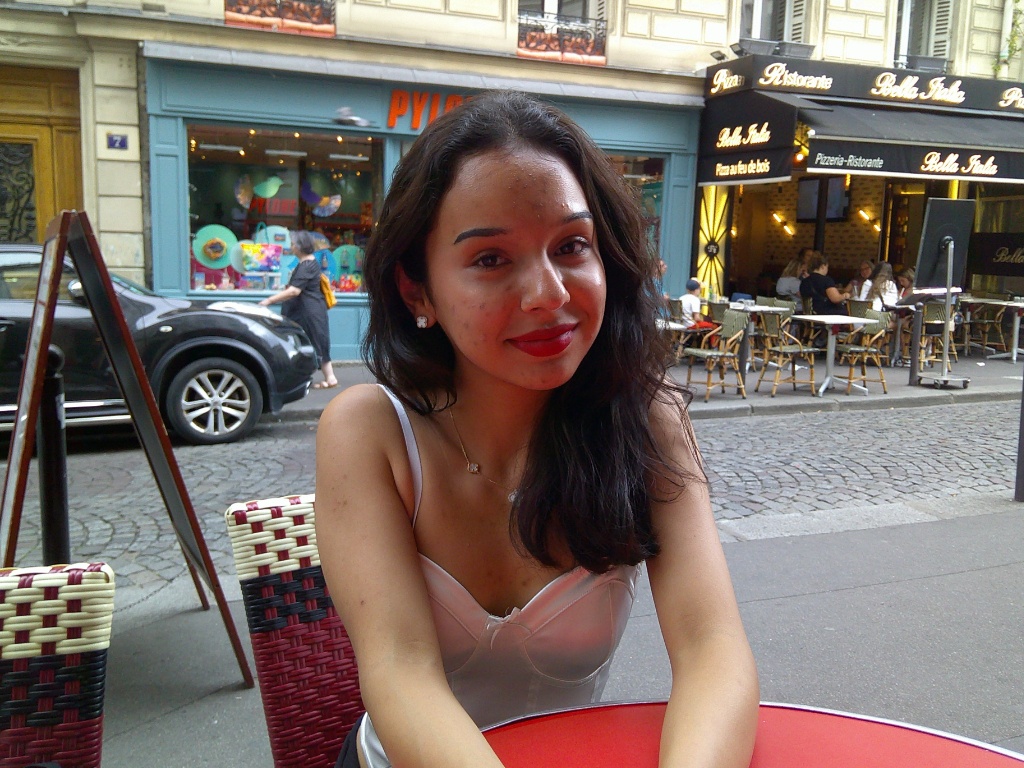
x: 411, y: 448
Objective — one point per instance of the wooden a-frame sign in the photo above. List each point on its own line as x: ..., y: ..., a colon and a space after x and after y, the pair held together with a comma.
x: 71, y: 233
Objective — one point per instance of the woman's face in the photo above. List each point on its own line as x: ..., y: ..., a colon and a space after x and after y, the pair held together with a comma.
x: 514, y: 276
x: 865, y: 270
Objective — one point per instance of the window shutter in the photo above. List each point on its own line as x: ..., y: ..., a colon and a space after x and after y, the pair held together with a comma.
x: 797, y: 24
x: 942, y: 15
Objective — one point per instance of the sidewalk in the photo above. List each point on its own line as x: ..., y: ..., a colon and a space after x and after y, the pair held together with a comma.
x: 989, y: 380
x: 918, y: 620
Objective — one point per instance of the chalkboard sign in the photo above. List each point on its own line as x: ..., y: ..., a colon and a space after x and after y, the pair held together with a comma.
x: 19, y: 453
x: 71, y: 233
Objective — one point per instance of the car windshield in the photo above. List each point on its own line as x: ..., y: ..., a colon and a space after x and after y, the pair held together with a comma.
x: 131, y: 286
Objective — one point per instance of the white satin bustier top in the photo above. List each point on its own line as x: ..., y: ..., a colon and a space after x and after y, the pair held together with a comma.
x: 552, y: 653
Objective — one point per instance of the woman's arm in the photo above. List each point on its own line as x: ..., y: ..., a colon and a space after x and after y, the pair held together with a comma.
x: 369, y: 556
x: 833, y: 295
x: 713, y: 707
x: 288, y: 292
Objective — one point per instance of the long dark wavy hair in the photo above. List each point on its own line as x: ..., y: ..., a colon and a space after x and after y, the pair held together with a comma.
x: 592, y: 460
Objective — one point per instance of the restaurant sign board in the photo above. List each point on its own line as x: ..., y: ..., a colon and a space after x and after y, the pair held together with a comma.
x: 841, y: 80
x: 997, y: 253
x: 914, y: 159
x: 746, y: 139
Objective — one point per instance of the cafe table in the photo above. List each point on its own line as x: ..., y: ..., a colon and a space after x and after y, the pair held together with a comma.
x: 751, y: 311
x: 1017, y: 307
x: 788, y: 736
x: 832, y: 324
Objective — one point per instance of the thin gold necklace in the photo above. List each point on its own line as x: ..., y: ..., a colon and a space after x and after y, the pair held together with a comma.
x: 474, y: 469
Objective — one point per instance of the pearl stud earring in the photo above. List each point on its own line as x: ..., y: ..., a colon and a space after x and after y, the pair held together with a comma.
x: 421, y: 321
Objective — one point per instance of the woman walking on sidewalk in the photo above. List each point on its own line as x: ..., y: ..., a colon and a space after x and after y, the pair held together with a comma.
x: 305, y: 304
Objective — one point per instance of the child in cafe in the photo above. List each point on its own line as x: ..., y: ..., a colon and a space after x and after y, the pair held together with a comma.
x: 523, y: 455
x: 692, y: 318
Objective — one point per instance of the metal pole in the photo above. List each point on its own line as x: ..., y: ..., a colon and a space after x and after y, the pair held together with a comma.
x: 1018, y: 490
x: 947, y: 325
x: 915, y: 344
x: 51, y: 446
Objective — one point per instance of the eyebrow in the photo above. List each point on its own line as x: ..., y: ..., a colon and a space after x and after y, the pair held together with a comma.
x: 493, y: 231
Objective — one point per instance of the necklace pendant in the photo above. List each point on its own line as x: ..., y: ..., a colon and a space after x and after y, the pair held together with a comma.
x: 472, y: 468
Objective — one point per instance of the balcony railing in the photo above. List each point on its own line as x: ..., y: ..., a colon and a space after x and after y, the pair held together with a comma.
x: 562, y: 38
x: 302, y: 17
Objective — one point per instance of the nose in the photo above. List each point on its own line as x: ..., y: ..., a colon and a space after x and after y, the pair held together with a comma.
x: 543, y: 288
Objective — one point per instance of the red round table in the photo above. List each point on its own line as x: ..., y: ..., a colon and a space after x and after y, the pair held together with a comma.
x: 627, y: 735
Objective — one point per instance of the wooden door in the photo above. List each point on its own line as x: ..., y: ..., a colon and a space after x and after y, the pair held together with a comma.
x: 27, y: 200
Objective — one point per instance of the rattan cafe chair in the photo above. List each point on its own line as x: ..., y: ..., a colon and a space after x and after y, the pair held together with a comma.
x: 986, y: 328
x: 869, y: 346
x: 55, y: 626
x: 782, y: 348
x: 304, y: 661
x: 721, y: 355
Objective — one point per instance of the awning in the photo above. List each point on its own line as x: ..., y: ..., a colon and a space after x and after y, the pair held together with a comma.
x: 911, y: 143
x: 749, y: 137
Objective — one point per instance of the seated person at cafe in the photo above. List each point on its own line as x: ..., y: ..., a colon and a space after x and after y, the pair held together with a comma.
x: 520, y: 457
x: 788, y: 285
x: 692, y: 318
x: 826, y: 298
x: 882, y: 291
x: 860, y: 285
x: 905, y: 282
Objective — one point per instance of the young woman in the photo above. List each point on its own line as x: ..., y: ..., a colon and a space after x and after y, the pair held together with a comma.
x: 882, y: 292
x: 905, y: 281
x: 483, y: 512
x: 788, y: 285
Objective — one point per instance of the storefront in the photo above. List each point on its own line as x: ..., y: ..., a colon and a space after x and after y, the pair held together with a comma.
x: 843, y: 158
x: 243, y: 153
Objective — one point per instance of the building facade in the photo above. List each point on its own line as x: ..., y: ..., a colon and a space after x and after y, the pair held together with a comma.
x: 197, y: 133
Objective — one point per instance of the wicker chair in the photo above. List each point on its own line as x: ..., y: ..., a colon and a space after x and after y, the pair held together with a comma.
x: 780, y: 348
x: 55, y: 626
x: 721, y: 354
x: 869, y: 346
x: 304, y: 660
x: 936, y: 332
x: 986, y: 329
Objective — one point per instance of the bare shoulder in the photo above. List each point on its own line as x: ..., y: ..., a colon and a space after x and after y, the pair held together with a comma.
x: 361, y: 456
x: 360, y: 412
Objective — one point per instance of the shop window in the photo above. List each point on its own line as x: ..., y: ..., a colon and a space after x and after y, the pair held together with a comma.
x: 646, y: 175
x: 250, y: 188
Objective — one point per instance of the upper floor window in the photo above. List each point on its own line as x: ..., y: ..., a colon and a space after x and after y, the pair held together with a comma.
x: 773, y: 20
x: 923, y: 29
x: 578, y: 9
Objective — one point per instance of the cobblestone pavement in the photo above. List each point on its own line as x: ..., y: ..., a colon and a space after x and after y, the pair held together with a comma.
x: 758, y: 466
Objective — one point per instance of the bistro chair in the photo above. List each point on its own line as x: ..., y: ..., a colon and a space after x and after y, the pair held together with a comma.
x: 780, y: 348
x: 859, y: 308
x: 721, y: 354
x: 986, y: 330
x: 55, y: 626
x: 304, y: 661
x: 716, y: 311
x: 868, y: 345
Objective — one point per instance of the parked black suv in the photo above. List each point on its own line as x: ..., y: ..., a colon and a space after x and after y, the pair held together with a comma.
x: 215, y: 367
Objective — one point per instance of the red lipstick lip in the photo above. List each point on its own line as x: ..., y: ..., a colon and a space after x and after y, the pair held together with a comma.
x: 546, y: 342
x: 544, y: 334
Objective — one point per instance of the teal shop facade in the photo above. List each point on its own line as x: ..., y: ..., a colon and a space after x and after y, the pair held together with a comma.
x: 195, y: 92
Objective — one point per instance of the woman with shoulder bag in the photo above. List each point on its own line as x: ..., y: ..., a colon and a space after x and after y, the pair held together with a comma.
x: 304, y: 302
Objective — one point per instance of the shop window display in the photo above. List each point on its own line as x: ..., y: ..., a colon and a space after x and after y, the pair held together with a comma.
x: 646, y: 174
x: 249, y: 188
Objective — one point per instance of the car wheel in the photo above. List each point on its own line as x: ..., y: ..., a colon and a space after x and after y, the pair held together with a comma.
x: 214, y: 400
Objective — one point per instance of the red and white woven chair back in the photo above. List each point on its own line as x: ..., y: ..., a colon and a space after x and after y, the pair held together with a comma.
x: 304, y: 660
x: 54, y: 634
